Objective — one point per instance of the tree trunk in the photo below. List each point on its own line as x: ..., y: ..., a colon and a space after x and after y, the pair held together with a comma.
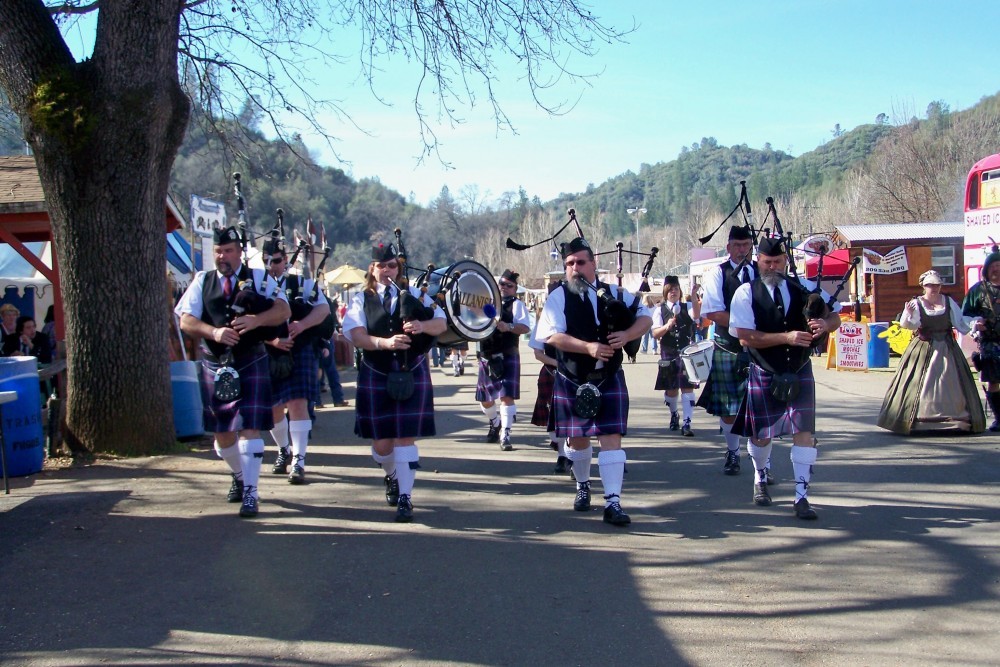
x: 105, y: 133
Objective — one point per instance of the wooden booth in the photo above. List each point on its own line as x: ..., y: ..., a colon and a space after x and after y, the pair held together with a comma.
x: 895, y: 256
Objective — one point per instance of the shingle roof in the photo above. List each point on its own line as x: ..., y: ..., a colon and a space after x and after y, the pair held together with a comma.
x: 907, y: 230
x: 20, y: 188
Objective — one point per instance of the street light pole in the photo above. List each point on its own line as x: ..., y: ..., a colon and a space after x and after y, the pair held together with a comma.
x: 637, y: 212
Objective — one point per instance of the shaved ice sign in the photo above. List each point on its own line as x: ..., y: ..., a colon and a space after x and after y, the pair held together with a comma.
x: 852, y: 346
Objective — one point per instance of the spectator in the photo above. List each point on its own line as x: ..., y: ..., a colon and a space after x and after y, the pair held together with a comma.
x: 8, y: 321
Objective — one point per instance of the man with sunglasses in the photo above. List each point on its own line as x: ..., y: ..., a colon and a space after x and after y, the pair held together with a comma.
x: 500, y: 363
x: 298, y: 389
x: 590, y: 398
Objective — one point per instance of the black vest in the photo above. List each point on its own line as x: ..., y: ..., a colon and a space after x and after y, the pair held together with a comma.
x: 731, y: 282
x: 580, y: 323
x: 383, y: 325
x: 216, y: 312
x: 780, y: 358
x: 498, y: 341
x: 680, y: 336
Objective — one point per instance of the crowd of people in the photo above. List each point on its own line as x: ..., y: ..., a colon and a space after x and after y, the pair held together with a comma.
x: 262, y: 355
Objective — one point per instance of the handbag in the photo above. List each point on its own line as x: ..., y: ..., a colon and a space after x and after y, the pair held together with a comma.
x: 588, y: 401
x: 400, y: 385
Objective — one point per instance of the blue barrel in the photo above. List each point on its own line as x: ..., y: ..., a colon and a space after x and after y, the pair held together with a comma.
x: 24, y: 446
x: 878, y: 348
x: 187, y: 399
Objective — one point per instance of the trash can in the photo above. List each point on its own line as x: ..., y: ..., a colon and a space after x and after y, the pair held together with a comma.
x: 878, y: 348
x: 24, y: 446
x: 188, y: 417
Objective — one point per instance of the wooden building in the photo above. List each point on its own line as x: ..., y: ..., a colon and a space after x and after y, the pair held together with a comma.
x: 928, y: 245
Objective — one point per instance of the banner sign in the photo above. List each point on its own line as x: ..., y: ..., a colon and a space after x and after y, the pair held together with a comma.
x: 852, y: 346
x: 893, y: 261
x: 206, y: 216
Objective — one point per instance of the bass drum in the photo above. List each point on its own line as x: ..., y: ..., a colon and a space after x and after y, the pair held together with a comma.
x: 470, y: 298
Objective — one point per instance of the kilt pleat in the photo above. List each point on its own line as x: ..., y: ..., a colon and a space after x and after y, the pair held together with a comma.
x: 509, y: 385
x: 542, y: 414
x: 726, y: 385
x: 252, y: 410
x: 763, y: 416
x: 673, y: 377
x: 378, y: 417
x: 303, y: 382
x: 612, y: 418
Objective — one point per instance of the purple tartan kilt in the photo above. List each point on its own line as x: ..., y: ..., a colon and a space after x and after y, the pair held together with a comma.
x: 377, y: 416
x: 509, y: 385
x: 542, y: 414
x: 302, y: 383
x: 613, y: 417
x: 726, y: 385
x: 252, y: 410
x: 674, y: 377
x: 763, y: 416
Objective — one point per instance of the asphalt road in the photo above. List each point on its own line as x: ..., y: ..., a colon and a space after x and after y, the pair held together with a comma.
x: 142, y: 562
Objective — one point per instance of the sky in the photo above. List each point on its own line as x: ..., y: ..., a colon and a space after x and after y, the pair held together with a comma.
x: 773, y: 71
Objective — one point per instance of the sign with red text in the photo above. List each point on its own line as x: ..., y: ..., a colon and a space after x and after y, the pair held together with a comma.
x: 852, y: 347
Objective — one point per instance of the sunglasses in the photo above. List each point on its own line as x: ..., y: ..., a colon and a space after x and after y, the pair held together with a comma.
x: 387, y: 265
x: 277, y: 260
x: 577, y: 262
x: 507, y: 285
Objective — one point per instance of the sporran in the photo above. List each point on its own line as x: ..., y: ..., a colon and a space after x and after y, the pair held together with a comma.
x: 227, y: 380
x: 400, y: 385
x: 588, y: 401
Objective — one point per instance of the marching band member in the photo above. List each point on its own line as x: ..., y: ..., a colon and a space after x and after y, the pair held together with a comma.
x: 769, y: 319
x: 674, y: 326
x: 500, y: 363
x: 394, y: 401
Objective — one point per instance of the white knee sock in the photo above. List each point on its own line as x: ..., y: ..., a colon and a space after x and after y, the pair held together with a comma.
x: 612, y: 467
x: 581, y: 459
x: 760, y: 454
x: 490, y: 412
x: 407, y: 458
x: 732, y: 441
x: 299, y: 430
x: 688, y: 405
x: 803, y: 459
x: 508, y: 413
x: 386, y: 461
x: 231, y: 455
x: 251, y: 456
x: 280, y: 434
x: 671, y: 402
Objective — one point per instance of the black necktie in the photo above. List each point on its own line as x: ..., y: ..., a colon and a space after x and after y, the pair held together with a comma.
x: 779, y: 302
x: 746, y: 276
x: 387, y: 300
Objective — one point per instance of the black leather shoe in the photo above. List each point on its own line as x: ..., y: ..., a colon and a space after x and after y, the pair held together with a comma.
x: 675, y: 421
x: 505, y: 442
x: 280, y: 466
x: 761, y: 496
x: 803, y: 511
x: 297, y: 476
x: 686, y: 429
x: 493, y: 435
x: 582, y: 502
x: 391, y: 491
x: 248, y: 509
x: 404, y: 510
x: 732, y: 465
x: 995, y: 426
x: 615, y: 515
x: 235, y: 491
x: 561, y: 465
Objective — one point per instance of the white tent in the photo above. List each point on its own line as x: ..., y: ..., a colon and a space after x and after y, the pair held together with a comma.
x: 16, y: 272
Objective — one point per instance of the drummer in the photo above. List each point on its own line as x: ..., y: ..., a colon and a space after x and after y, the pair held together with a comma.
x: 674, y: 324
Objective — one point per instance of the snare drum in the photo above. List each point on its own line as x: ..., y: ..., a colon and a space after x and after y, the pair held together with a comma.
x: 697, y: 360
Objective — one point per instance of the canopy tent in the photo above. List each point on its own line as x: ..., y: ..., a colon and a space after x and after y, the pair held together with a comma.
x: 24, y: 285
x: 835, y: 264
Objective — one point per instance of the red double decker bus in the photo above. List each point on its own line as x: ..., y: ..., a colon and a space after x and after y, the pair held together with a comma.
x: 982, y: 214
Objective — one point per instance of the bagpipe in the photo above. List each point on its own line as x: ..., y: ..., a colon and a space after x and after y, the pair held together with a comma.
x: 465, y: 290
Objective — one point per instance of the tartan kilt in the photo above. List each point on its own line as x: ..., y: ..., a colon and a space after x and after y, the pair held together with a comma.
x: 303, y: 382
x: 764, y: 417
x: 378, y: 417
x: 542, y: 415
x: 252, y: 410
x: 613, y: 417
x: 509, y: 385
x: 726, y: 385
x: 674, y: 376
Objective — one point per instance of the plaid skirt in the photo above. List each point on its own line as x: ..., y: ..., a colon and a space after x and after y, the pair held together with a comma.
x: 673, y: 376
x: 542, y: 415
x: 726, y: 385
x: 252, y: 410
x: 509, y: 385
x: 303, y: 382
x: 763, y: 416
x: 612, y: 418
x: 378, y: 417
